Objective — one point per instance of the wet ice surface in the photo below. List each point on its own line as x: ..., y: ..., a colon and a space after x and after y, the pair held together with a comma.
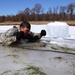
x: 57, y: 58
x: 13, y: 59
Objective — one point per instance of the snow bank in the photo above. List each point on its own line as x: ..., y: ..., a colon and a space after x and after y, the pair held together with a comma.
x: 58, y: 29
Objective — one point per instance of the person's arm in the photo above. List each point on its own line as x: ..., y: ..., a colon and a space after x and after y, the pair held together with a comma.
x: 36, y: 36
x: 8, y: 40
x: 9, y: 36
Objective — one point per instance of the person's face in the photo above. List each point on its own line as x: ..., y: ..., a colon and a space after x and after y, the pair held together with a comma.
x: 25, y: 30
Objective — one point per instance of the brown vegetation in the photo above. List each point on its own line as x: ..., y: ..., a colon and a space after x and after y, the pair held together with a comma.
x: 71, y: 23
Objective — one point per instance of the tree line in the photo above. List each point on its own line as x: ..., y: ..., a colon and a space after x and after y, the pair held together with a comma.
x: 37, y: 14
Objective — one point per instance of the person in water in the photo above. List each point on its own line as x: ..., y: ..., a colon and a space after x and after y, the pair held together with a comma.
x: 21, y: 34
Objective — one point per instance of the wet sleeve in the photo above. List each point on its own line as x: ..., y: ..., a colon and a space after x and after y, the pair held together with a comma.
x: 34, y: 36
x: 9, y: 36
x: 9, y: 40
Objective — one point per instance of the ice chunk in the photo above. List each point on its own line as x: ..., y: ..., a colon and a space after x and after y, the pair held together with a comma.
x: 58, y: 29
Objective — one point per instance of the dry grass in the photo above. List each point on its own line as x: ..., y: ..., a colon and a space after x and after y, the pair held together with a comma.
x: 10, y: 23
x: 71, y: 23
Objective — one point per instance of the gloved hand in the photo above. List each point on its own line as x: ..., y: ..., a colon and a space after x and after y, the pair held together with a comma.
x: 43, y: 33
x: 20, y: 35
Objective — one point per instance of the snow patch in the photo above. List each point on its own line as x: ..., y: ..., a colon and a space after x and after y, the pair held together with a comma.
x: 58, y: 29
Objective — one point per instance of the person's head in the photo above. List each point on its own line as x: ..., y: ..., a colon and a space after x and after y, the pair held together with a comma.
x: 25, y: 27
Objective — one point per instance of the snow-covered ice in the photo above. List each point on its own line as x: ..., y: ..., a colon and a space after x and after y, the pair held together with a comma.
x: 53, y: 29
x: 58, y: 29
x: 50, y: 62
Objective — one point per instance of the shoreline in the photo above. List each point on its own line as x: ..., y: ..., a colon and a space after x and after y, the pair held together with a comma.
x: 70, y: 23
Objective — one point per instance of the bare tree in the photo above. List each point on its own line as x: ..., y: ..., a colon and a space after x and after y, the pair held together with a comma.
x: 38, y: 10
x: 62, y: 12
x: 50, y: 10
x: 27, y: 13
x: 55, y: 13
x: 49, y: 14
x: 2, y: 18
x: 55, y: 10
x: 32, y: 14
x: 37, y: 14
x: 70, y: 10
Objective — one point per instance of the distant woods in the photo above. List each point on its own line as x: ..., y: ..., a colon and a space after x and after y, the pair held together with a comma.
x: 38, y: 13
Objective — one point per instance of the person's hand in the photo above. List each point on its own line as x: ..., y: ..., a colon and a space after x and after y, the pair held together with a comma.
x: 43, y: 33
x: 20, y: 35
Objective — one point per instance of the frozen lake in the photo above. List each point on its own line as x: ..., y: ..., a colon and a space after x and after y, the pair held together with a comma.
x: 38, y: 28
x: 51, y: 63
x: 13, y: 60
